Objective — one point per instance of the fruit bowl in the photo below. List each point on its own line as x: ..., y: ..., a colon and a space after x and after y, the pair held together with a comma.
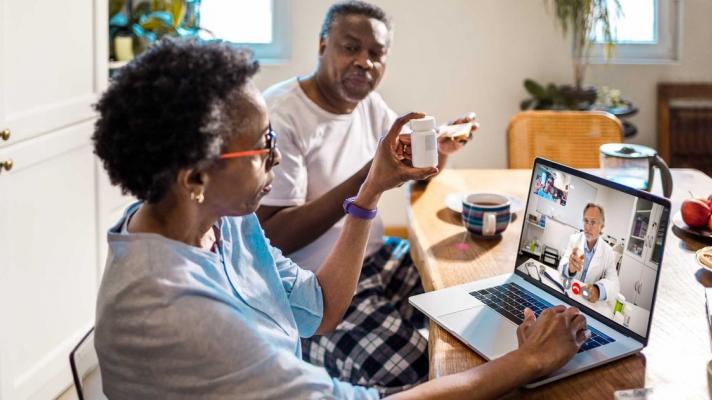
x: 681, y: 225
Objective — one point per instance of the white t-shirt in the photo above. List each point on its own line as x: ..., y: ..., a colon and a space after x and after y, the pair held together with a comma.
x: 320, y: 150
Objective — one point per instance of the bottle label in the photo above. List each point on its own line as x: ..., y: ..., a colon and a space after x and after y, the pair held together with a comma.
x: 430, y: 143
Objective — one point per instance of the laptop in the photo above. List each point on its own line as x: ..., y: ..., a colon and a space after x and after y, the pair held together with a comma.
x: 628, y: 227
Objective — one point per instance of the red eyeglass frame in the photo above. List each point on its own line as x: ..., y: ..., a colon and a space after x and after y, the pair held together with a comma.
x: 271, y: 146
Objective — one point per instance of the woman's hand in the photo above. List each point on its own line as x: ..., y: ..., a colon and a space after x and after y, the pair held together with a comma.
x: 551, y: 340
x: 391, y: 167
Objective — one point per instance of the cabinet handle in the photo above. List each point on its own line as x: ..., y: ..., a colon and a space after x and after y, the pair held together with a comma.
x: 5, y: 134
x: 7, y: 164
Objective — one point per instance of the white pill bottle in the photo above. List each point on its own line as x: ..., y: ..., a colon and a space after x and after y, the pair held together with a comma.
x: 423, y: 142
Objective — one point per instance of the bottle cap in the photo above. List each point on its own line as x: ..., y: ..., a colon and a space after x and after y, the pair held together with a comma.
x: 422, y: 124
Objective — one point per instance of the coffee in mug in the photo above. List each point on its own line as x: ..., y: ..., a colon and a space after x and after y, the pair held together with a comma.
x: 486, y: 214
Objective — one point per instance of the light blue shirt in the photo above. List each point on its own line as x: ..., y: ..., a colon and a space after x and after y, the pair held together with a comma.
x: 544, y: 194
x: 176, y: 321
x: 587, y: 257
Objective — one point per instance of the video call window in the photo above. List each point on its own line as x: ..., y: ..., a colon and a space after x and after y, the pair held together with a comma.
x: 585, y: 239
x: 547, y: 187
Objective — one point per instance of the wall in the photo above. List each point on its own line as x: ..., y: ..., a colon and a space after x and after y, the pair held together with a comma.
x: 452, y: 56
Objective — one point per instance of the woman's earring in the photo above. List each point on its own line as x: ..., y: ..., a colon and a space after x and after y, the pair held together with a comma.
x: 200, y: 198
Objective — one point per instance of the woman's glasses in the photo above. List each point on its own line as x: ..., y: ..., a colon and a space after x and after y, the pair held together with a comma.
x: 270, y: 138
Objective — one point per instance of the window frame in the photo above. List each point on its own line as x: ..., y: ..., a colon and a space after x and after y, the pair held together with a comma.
x: 280, y: 49
x: 667, y: 49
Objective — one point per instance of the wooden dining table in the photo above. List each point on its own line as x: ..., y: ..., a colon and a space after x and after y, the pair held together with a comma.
x: 675, y: 360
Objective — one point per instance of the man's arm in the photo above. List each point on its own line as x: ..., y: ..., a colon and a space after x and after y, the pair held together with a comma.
x: 292, y: 228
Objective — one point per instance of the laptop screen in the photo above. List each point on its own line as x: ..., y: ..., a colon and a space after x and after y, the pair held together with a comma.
x: 597, y: 243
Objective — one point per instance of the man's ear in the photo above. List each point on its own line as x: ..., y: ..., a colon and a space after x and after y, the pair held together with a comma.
x: 322, y: 45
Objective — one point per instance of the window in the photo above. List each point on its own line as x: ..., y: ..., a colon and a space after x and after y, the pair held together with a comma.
x: 647, y: 32
x: 262, y: 25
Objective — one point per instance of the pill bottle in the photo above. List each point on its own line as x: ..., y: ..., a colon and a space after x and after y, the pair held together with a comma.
x: 423, y: 142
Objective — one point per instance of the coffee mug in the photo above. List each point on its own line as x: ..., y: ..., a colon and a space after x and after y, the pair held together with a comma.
x: 486, y: 214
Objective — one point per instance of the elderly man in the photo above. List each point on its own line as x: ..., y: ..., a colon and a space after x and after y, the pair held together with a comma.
x: 329, y: 123
x: 591, y: 260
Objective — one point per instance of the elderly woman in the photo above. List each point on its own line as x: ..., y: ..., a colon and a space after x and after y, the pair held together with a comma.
x: 194, y: 301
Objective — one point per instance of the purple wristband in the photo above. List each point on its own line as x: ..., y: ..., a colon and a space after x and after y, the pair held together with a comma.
x: 356, y: 211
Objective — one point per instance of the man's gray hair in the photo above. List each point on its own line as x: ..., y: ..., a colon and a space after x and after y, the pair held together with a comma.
x: 350, y: 7
x: 600, y: 209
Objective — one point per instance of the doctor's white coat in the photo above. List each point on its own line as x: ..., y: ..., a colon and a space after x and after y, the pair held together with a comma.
x: 601, y: 270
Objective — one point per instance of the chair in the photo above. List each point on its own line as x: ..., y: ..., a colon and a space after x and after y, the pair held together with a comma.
x: 568, y: 137
x: 85, y: 369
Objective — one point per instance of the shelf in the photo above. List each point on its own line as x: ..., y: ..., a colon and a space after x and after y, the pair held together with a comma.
x: 117, y: 64
x: 537, y: 225
x: 636, y: 237
x: 642, y: 211
x: 534, y: 253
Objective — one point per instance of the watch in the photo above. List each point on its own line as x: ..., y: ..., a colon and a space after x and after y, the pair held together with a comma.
x: 356, y: 211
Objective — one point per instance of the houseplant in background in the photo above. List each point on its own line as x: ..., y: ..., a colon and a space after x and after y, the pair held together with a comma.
x: 147, y: 21
x: 583, y: 18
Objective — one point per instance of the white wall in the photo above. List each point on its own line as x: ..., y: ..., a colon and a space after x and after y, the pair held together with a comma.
x: 618, y: 207
x: 452, y: 56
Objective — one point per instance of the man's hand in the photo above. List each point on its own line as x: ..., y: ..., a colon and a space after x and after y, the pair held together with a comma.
x: 554, y: 338
x: 575, y: 261
x: 448, y: 145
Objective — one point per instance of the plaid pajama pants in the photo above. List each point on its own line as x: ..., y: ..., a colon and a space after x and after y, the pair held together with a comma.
x: 377, y: 343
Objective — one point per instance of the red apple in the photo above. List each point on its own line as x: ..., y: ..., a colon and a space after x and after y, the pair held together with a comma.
x: 709, y: 223
x: 695, y: 212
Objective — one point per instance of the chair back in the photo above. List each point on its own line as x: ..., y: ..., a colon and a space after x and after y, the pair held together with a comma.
x: 568, y: 137
x: 85, y: 369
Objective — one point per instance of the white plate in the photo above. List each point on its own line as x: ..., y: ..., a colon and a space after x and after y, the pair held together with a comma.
x: 454, y: 202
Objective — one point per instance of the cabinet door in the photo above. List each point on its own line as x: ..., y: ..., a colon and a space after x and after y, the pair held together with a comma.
x: 655, y: 241
x: 640, y: 222
x: 646, y: 287
x: 48, y: 253
x: 629, y: 276
x: 53, y: 64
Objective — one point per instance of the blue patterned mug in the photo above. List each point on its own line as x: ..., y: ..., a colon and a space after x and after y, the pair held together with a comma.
x: 486, y: 214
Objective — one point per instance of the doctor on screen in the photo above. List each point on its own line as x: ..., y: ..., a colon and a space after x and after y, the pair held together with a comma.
x: 590, y: 260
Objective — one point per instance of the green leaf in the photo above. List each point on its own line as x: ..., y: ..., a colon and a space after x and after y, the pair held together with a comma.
x: 534, y: 88
x: 178, y: 11
x: 156, y: 20
x: 115, y: 6
x: 526, y: 104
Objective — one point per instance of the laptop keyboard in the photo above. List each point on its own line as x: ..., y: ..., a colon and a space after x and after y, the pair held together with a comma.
x: 510, y: 300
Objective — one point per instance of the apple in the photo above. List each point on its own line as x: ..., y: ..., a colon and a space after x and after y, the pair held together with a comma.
x: 709, y: 201
x: 709, y: 223
x: 695, y: 212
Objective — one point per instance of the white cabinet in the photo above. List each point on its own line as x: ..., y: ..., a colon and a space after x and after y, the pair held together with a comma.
x: 52, y: 68
x: 637, y: 281
x: 643, y: 252
x: 645, y: 238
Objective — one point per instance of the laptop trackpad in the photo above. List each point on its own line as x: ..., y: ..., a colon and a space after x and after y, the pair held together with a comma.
x: 484, y: 330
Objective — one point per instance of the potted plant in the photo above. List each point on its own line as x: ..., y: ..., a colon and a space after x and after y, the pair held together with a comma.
x: 150, y: 20
x: 582, y: 18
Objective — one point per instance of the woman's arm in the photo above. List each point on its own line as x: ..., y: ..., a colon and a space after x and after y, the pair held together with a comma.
x: 545, y: 345
x: 339, y: 274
